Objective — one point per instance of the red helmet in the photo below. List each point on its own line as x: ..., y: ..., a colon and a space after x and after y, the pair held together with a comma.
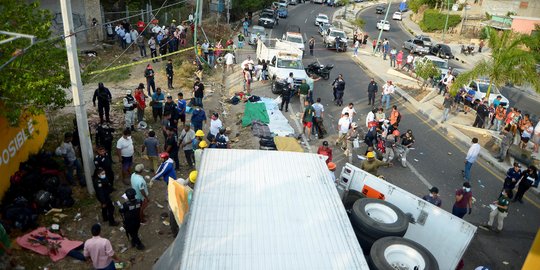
x: 164, y: 155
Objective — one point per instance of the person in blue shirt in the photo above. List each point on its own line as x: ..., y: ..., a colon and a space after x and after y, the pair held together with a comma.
x: 198, y: 118
x: 158, y: 99
x: 181, y: 108
x: 512, y: 177
x: 165, y: 170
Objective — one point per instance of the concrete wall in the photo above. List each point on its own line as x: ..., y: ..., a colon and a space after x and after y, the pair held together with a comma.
x: 527, y: 8
x: 524, y: 25
x: 83, y: 11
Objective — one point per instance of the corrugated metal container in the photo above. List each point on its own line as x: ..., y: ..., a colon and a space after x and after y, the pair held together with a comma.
x: 264, y: 210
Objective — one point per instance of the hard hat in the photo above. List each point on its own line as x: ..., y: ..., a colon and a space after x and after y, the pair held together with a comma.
x: 203, y: 144
x: 396, y: 132
x: 193, y: 176
x: 164, y: 155
x: 370, y: 154
x: 331, y: 166
x: 199, y: 133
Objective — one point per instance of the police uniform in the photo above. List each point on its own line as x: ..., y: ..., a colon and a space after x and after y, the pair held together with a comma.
x: 103, y: 190
x: 104, y: 137
x: 129, y: 107
x: 131, y: 211
x: 105, y: 162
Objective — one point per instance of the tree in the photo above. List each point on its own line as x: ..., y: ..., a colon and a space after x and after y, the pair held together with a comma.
x: 36, y: 79
x: 509, y: 62
x: 533, y: 43
x: 427, y: 71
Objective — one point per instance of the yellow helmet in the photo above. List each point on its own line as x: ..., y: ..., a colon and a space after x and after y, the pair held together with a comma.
x: 370, y: 154
x: 199, y: 133
x: 203, y: 144
x: 193, y: 176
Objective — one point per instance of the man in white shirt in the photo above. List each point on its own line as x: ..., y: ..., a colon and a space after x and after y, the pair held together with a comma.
x: 125, y: 151
x: 388, y: 89
x: 215, y: 124
x: 349, y: 109
x: 248, y: 64
x: 229, y: 61
x: 370, y: 117
x: 343, y: 128
x: 318, y: 128
x: 470, y: 159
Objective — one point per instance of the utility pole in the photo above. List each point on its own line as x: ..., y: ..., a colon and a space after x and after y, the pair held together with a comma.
x: 229, y: 2
x: 446, y: 22
x: 199, y: 13
x: 78, y: 95
x: 382, y: 28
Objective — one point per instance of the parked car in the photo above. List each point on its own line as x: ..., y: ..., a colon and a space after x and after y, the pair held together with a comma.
x: 426, y: 39
x: 267, y: 20
x: 442, y: 51
x: 384, y: 25
x: 441, y: 64
x: 283, y: 12
x: 416, y: 46
x: 275, y: 5
x: 293, y: 2
x: 319, y: 1
x: 480, y: 86
x: 379, y: 9
x: 321, y: 18
x: 256, y: 33
x: 284, y: 3
x: 323, y: 27
x: 397, y: 16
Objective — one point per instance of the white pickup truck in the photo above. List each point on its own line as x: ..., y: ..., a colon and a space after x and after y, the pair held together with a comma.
x: 379, y: 209
x: 283, y: 58
x: 296, y: 39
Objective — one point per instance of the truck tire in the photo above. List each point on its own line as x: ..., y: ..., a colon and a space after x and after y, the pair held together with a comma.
x: 273, y: 87
x: 378, y: 218
x: 400, y: 253
x: 352, y: 197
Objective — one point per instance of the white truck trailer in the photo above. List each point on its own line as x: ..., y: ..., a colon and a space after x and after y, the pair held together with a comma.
x: 283, y: 58
x: 443, y: 234
x: 254, y: 209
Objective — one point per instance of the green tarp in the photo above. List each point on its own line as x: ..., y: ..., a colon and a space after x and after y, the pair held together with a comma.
x: 255, y: 111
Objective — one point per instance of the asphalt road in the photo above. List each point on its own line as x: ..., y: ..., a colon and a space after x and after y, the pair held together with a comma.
x: 437, y: 159
x: 397, y: 35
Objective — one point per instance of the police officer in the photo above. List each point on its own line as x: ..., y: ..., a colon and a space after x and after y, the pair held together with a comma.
x: 103, y: 96
x: 131, y: 212
x: 104, y: 136
x: 222, y: 141
x: 129, y: 106
x: 103, y: 160
x: 103, y: 189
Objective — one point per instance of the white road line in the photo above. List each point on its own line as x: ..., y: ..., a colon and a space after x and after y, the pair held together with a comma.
x: 305, y: 20
x: 413, y: 170
x: 312, y: 11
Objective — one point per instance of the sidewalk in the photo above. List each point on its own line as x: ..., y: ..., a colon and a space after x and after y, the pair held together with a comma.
x: 430, y: 106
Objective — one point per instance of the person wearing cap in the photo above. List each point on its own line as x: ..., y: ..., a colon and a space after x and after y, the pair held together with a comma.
x: 103, y: 188
x: 512, y: 177
x: 172, y: 147
x: 131, y: 212
x: 215, y: 125
x: 165, y: 170
x: 352, y: 135
x: 150, y: 82
x: 307, y: 119
x: 141, y: 102
x: 463, y: 201
x: 500, y: 211
x: 158, y: 98
x: 141, y: 189
x: 371, y: 164
x: 433, y: 197
x: 332, y: 171
x: 130, y: 104
x: 198, y: 118
x: 104, y: 160
x: 99, y: 250
x: 388, y: 89
x: 199, y: 153
x: 325, y: 150
x: 199, y: 137
x: 186, y: 143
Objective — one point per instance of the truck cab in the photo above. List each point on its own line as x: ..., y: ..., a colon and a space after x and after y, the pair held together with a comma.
x: 295, y: 38
x: 444, y: 235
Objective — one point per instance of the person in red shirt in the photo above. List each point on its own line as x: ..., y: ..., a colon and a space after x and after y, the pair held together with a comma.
x: 140, y: 26
x: 325, y: 151
x: 141, y: 103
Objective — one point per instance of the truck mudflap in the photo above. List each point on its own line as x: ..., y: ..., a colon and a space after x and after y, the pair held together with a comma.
x: 445, y: 235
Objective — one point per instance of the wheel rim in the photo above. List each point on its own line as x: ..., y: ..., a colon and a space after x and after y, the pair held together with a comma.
x: 403, y: 257
x: 381, y: 213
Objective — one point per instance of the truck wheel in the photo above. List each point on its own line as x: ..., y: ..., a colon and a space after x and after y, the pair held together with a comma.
x: 365, y: 241
x: 400, y: 253
x: 273, y: 87
x: 351, y: 198
x: 378, y: 218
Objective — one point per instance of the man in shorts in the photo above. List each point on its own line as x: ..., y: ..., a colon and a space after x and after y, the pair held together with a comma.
x: 307, y: 119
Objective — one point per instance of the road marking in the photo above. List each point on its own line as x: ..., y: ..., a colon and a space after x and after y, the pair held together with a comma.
x: 305, y: 21
x: 312, y: 11
x: 422, y: 178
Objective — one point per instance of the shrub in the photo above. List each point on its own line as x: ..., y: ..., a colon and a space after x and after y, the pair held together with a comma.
x: 434, y: 20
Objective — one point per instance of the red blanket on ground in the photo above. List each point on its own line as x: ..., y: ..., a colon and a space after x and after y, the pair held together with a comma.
x: 29, y: 240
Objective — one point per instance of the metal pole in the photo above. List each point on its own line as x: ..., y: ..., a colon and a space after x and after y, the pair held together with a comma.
x: 78, y: 95
x: 446, y: 23
x: 199, y: 14
x: 382, y: 28
x: 229, y: 2
x: 195, y: 28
